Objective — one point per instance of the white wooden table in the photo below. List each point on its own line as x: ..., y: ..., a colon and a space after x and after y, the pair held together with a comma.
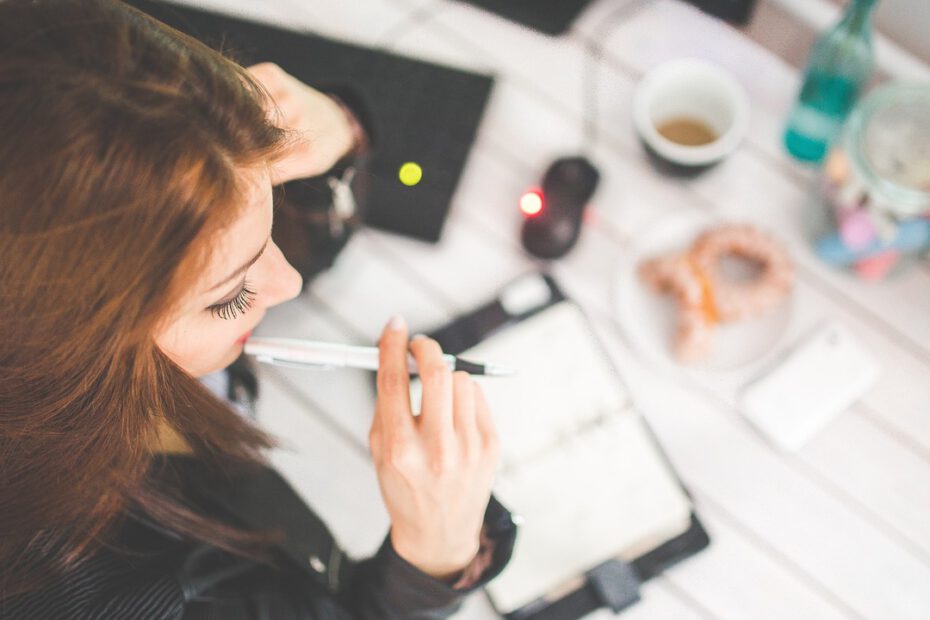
x: 840, y: 529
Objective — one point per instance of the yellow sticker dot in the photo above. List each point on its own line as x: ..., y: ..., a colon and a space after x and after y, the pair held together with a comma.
x: 410, y: 174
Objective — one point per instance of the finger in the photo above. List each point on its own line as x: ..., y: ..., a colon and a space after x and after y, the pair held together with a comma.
x: 279, y: 85
x: 374, y: 440
x: 463, y: 395
x: 436, y: 378
x: 485, y: 424
x: 393, y: 406
x: 261, y: 68
x: 375, y: 437
x: 268, y: 71
x: 269, y: 75
x: 287, y: 109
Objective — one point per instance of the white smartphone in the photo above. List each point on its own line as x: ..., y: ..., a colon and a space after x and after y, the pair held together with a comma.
x: 817, y: 380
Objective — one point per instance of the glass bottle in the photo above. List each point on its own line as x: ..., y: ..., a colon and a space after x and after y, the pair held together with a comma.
x: 872, y: 211
x: 839, y: 66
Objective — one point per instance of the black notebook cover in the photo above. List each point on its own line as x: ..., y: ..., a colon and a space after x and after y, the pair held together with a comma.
x: 422, y: 112
x: 466, y: 332
x: 552, y: 17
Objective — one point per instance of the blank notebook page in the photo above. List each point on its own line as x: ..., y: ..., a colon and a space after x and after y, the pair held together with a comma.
x: 578, y: 463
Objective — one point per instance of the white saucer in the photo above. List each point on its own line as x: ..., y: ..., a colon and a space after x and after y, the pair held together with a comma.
x: 649, y: 319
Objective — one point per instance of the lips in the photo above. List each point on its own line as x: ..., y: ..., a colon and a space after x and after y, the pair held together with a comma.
x: 244, y: 337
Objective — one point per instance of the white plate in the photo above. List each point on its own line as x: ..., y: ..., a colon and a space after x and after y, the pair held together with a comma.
x: 649, y: 319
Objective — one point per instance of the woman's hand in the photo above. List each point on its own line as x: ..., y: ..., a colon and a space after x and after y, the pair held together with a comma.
x: 324, y: 133
x: 435, y: 469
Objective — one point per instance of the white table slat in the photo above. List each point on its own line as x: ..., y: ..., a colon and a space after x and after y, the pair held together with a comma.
x: 734, y: 579
x: 873, y: 469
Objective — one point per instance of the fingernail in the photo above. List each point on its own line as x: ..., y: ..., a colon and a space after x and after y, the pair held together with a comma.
x: 419, y: 337
x: 397, y: 323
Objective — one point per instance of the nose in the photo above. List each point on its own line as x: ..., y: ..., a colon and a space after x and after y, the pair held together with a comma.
x: 282, y: 282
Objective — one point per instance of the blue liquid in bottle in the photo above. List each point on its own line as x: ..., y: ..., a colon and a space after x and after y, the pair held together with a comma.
x: 819, y: 114
x: 839, y: 66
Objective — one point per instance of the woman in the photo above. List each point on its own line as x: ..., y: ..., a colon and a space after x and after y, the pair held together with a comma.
x: 136, y: 176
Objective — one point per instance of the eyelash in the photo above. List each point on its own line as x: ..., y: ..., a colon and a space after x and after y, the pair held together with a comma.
x: 240, y: 304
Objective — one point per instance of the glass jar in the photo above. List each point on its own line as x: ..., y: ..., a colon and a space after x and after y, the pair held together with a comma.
x: 874, y: 188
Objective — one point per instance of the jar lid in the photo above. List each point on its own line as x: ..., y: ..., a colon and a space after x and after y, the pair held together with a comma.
x: 890, y: 134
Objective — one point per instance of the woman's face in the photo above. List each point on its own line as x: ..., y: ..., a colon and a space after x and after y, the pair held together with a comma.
x: 246, y: 275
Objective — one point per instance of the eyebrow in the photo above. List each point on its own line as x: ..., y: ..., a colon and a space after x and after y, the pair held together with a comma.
x: 238, y: 271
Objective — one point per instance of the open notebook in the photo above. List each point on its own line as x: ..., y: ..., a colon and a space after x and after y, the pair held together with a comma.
x: 578, y: 462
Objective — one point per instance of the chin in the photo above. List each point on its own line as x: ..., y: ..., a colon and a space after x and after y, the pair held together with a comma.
x: 234, y: 352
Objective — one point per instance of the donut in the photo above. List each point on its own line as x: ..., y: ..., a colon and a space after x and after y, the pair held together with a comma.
x: 736, y: 301
x: 704, y: 295
x: 674, y: 275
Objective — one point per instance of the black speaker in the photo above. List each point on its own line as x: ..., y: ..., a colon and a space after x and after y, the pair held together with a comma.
x: 735, y: 11
x: 549, y: 16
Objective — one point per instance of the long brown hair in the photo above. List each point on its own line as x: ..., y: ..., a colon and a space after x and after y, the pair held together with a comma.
x: 122, y: 147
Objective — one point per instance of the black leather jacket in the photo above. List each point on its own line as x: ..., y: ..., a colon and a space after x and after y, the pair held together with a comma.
x: 151, y: 573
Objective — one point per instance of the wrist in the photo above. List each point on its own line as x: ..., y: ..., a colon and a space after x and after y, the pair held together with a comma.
x: 447, y: 566
x: 359, y: 139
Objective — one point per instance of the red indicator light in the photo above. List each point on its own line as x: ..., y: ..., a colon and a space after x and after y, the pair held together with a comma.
x: 531, y: 203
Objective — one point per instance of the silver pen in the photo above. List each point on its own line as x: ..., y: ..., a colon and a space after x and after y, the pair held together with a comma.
x: 309, y: 354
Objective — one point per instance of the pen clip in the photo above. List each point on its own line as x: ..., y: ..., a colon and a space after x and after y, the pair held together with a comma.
x: 267, y: 359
